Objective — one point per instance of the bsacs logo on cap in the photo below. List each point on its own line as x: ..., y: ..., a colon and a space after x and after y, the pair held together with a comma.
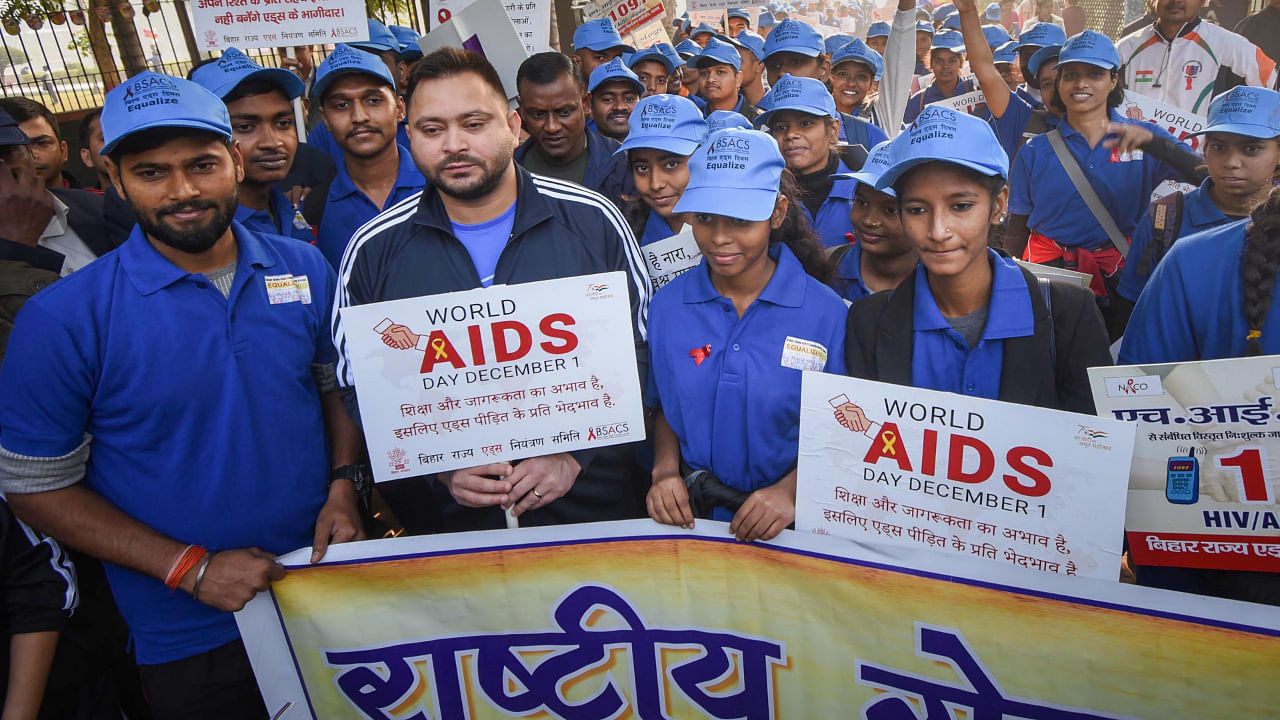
x: 731, y: 143
x: 659, y: 109
x: 934, y: 123
x: 1134, y: 386
x: 149, y: 91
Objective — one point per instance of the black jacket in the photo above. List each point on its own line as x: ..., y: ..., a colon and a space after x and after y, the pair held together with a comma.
x: 85, y: 216
x: 607, y: 173
x: 560, y: 230
x: 879, y: 345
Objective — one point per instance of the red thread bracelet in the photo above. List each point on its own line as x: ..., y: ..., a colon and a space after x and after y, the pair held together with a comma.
x: 190, y: 557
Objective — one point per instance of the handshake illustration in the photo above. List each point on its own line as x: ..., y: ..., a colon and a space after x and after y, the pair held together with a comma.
x: 397, y: 336
x: 850, y: 416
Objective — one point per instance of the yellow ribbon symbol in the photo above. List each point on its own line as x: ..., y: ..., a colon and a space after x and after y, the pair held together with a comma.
x: 890, y: 439
x: 439, y: 347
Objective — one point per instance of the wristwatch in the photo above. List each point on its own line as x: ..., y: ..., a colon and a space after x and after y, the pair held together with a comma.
x: 360, y: 476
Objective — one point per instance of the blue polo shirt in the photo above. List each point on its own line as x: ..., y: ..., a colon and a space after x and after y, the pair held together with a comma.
x: 737, y: 413
x: 1192, y: 307
x: 849, y: 275
x: 655, y: 229
x: 321, y: 138
x: 932, y: 94
x: 874, y: 135
x: 1039, y: 187
x: 832, y: 222
x: 347, y: 208
x: 205, y: 420
x: 285, y: 222
x: 1011, y: 126
x: 1198, y: 213
x: 940, y: 357
x: 1024, y: 91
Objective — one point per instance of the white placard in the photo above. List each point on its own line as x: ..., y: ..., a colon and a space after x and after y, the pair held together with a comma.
x: 244, y: 24
x: 968, y: 102
x: 500, y: 373
x: 724, y: 4
x: 1177, y: 121
x: 530, y: 18
x: 1037, y: 488
x: 626, y: 15
x: 665, y: 259
x: 483, y: 26
x: 648, y: 35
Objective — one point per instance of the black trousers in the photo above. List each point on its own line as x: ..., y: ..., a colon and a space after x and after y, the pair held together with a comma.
x: 215, y: 685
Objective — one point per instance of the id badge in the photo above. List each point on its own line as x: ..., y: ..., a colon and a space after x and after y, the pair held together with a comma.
x: 1182, y: 481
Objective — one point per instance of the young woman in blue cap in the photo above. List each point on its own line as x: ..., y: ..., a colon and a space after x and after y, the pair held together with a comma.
x: 1122, y: 160
x: 969, y: 320
x: 1242, y: 152
x: 728, y: 339
x: 946, y: 61
x: 665, y: 130
x: 803, y: 118
x: 879, y: 256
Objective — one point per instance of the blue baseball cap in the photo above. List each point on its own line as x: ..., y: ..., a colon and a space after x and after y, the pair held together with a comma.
x: 766, y: 19
x: 598, y: 35
x: 688, y: 49
x: 721, y: 119
x: 952, y: 22
x: 345, y: 60
x: 671, y: 54
x: 948, y: 40
x: 1007, y: 53
x: 922, y: 26
x: 858, y: 51
x: 751, y: 41
x: 150, y: 100
x: 793, y: 36
x: 653, y: 54
x: 835, y: 42
x: 942, y: 12
x: 736, y: 174
x: 665, y: 122
x: 234, y: 67
x: 1249, y: 111
x: 1048, y: 53
x: 946, y: 135
x: 1091, y: 48
x: 738, y: 13
x: 702, y: 28
x: 878, y: 29
x: 615, y: 69
x: 993, y: 12
x: 995, y: 35
x: 1042, y: 35
x: 718, y: 52
x: 878, y: 160
x: 381, y: 39
x: 11, y: 134
x: 408, y: 38
x: 802, y: 94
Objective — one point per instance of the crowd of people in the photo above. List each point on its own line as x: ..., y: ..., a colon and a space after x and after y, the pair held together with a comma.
x: 177, y: 404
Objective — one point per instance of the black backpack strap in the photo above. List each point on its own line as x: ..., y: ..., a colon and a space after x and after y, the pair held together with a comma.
x: 1166, y: 223
x: 1036, y: 125
x: 1046, y: 288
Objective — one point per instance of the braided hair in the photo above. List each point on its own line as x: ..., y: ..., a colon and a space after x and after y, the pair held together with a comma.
x: 1259, y: 265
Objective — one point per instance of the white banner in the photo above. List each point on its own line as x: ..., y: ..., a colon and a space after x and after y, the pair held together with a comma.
x: 1031, y: 487
x: 724, y: 4
x: 648, y: 35
x: 1178, y: 122
x: 244, y: 24
x: 501, y: 373
x: 665, y: 259
x: 530, y: 18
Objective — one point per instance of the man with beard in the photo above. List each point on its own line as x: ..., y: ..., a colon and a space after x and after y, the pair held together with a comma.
x: 260, y: 102
x: 193, y: 362
x: 553, y: 111
x: 483, y: 220
x: 358, y: 101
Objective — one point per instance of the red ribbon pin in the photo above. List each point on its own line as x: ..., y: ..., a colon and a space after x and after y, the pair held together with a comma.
x: 700, y: 354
